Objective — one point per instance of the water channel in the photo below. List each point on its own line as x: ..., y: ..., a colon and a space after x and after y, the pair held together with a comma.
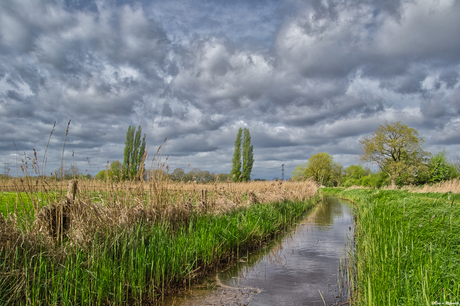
x: 300, y: 268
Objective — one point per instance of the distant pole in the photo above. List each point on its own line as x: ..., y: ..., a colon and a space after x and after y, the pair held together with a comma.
x: 282, y: 172
x: 7, y: 165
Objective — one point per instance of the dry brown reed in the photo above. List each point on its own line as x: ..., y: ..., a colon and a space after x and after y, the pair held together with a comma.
x: 94, y: 206
x: 442, y: 187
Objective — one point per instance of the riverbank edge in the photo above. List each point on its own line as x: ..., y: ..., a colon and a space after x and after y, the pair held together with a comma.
x: 251, y: 245
x: 112, y: 257
x: 407, y: 213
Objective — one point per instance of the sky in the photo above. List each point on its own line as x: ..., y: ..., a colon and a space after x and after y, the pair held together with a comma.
x: 303, y: 76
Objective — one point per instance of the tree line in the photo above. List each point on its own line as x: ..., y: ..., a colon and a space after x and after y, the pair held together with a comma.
x: 197, y: 175
x: 133, y: 166
x: 397, y: 151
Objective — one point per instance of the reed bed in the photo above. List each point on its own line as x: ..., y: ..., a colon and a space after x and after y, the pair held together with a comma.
x: 442, y: 187
x: 90, y: 243
x: 407, y: 247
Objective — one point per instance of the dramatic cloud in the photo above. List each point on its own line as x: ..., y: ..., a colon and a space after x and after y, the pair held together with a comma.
x: 304, y: 77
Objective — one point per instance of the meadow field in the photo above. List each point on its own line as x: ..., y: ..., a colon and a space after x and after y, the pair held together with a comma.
x: 88, y: 242
x: 406, y: 245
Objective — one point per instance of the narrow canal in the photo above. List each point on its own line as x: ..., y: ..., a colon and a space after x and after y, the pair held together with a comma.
x: 300, y: 268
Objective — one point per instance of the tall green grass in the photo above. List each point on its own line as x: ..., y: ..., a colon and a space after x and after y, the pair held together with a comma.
x: 136, y: 264
x: 407, y: 247
x: 21, y: 202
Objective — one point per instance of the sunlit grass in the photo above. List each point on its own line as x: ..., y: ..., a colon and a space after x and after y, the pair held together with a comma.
x: 407, y: 247
x: 21, y: 202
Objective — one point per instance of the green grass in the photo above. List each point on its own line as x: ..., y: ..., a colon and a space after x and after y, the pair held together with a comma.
x: 407, y: 247
x: 21, y: 202
x: 137, y: 264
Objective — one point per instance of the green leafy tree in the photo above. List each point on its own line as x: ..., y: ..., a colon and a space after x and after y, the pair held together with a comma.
x: 242, y: 157
x: 440, y: 169
x: 101, y: 175
x: 248, y: 156
x: 178, y: 174
x: 235, y: 173
x: 193, y: 175
x: 299, y: 173
x: 374, y: 180
x: 223, y: 177
x: 114, y: 172
x: 319, y: 167
x: 356, y: 175
x: 336, y: 174
x: 206, y: 177
x: 396, y: 149
x: 379, y: 179
x: 366, y: 181
x: 127, y: 154
x: 189, y: 176
x: 355, y: 172
x: 196, y: 174
x: 133, y: 157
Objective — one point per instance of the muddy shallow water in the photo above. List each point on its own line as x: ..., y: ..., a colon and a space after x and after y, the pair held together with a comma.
x: 300, y: 268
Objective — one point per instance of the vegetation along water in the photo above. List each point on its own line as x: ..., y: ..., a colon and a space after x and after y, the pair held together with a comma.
x: 298, y: 268
x: 407, y: 247
x: 132, y: 244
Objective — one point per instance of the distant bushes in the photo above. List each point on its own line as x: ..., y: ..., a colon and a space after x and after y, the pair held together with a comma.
x: 436, y: 169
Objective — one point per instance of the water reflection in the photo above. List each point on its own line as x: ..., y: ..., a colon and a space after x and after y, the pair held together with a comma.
x: 297, y: 269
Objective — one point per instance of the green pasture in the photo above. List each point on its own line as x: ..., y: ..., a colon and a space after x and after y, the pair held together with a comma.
x: 21, y: 202
x: 407, y: 247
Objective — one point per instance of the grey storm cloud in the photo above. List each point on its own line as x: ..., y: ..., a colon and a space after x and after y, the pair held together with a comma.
x: 304, y: 77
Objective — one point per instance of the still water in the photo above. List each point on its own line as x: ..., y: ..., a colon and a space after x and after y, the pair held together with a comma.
x: 300, y: 268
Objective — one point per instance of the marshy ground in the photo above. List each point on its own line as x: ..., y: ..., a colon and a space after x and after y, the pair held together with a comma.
x: 132, y: 243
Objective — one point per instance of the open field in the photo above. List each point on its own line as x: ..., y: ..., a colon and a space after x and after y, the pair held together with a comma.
x: 38, y: 192
x: 407, y: 247
x: 132, y: 243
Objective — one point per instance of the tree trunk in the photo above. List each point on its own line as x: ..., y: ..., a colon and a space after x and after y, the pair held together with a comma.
x: 393, y: 182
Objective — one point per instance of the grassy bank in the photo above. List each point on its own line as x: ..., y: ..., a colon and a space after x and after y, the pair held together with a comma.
x: 120, y: 250
x: 407, y: 247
